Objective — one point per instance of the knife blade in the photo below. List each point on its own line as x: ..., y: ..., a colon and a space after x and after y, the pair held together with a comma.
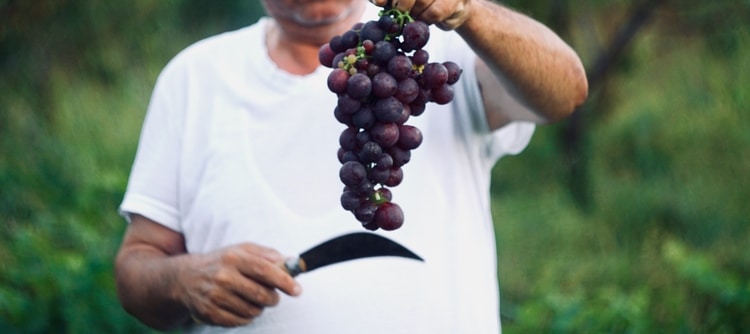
x: 346, y: 247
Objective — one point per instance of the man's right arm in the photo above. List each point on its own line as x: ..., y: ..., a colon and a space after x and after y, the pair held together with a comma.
x: 162, y: 285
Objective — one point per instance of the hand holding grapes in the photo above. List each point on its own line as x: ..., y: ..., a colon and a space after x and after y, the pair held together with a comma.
x: 382, y: 77
x: 446, y: 14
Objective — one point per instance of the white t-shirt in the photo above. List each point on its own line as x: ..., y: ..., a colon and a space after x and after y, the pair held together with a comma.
x: 233, y: 149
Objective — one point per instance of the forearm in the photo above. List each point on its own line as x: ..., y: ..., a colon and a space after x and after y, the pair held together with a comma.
x: 541, y: 69
x: 146, y: 282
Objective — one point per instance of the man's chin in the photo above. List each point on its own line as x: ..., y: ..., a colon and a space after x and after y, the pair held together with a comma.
x: 321, y: 19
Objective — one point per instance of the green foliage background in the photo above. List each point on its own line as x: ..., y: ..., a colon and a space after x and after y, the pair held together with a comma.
x: 640, y: 227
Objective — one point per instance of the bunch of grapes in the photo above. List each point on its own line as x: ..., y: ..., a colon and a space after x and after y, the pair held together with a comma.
x: 382, y: 77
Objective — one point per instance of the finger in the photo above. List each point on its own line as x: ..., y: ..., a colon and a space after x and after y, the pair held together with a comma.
x: 403, y: 5
x: 257, y: 294
x: 262, y: 265
x: 223, y: 308
x: 221, y: 317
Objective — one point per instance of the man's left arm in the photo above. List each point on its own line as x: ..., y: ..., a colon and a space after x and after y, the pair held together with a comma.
x: 526, y: 71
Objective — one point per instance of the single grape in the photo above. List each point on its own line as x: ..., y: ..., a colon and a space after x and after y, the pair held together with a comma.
x: 365, y: 212
x: 341, y: 117
x: 383, y: 52
x: 348, y: 139
x: 347, y: 104
x: 409, y: 137
x: 434, y: 75
x: 370, y: 152
x: 384, y: 162
x: 407, y: 91
x: 415, y: 34
x: 397, y: 175
x: 420, y: 57
x: 359, y: 86
x: 400, y: 156
x: 442, y: 94
x: 385, y: 193
x: 400, y: 67
x: 352, y: 173
x: 326, y: 55
x: 377, y: 175
x: 389, y: 216
x: 364, y: 118
x: 383, y: 85
x: 405, y: 114
x: 350, y: 39
x: 454, y: 72
x: 388, y: 110
x: 337, y: 81
x: 385, y: 134
x: 350, y: 200
x: 371, y: 31
x: 336, y: 44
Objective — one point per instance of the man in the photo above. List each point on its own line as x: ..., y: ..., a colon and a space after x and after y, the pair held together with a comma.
x: 236, y: 169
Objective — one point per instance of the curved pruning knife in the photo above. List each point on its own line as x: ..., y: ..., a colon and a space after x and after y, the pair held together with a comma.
x: 345, y: 248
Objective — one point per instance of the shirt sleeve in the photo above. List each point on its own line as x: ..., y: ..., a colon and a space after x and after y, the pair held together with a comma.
x: 152, y: 189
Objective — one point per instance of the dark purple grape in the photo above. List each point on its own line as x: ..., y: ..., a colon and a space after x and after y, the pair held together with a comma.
x: 352, y: 173
x: 400, y: 67
x: 416, y: 109
x: 385, y: 134
x: 362, y: 138
x: 385, y: 193
x: 350, y: 39
x: 388, y: 110
x: 377, y: 175
x: 400, y: 156
x: 383, y: 52
x: 409, y: 137
x: 371, y: 31
x: 368, y: 46
x: 365, y: 212
x: 384, y: 161
x: 407, y: 90
x: 405, y: 114
x: 389, y: 216
x: 348, y: 139
x: 358, y: 86
x: 383, y: 85
x: 364, y: 118
x: 326, y: 55
x: 434, y: 75
x: 337, y: 81
x: 385, y: 22
x: 442, y: 94
x: 341, y: 117
x: 336, y: 44
x: 454, y: 72
x: 350, y: 200
x: 415, y: 35
x: 420, y: 57
x: 397, y: 175
x: 348, y: 105
x: 370, y: 152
